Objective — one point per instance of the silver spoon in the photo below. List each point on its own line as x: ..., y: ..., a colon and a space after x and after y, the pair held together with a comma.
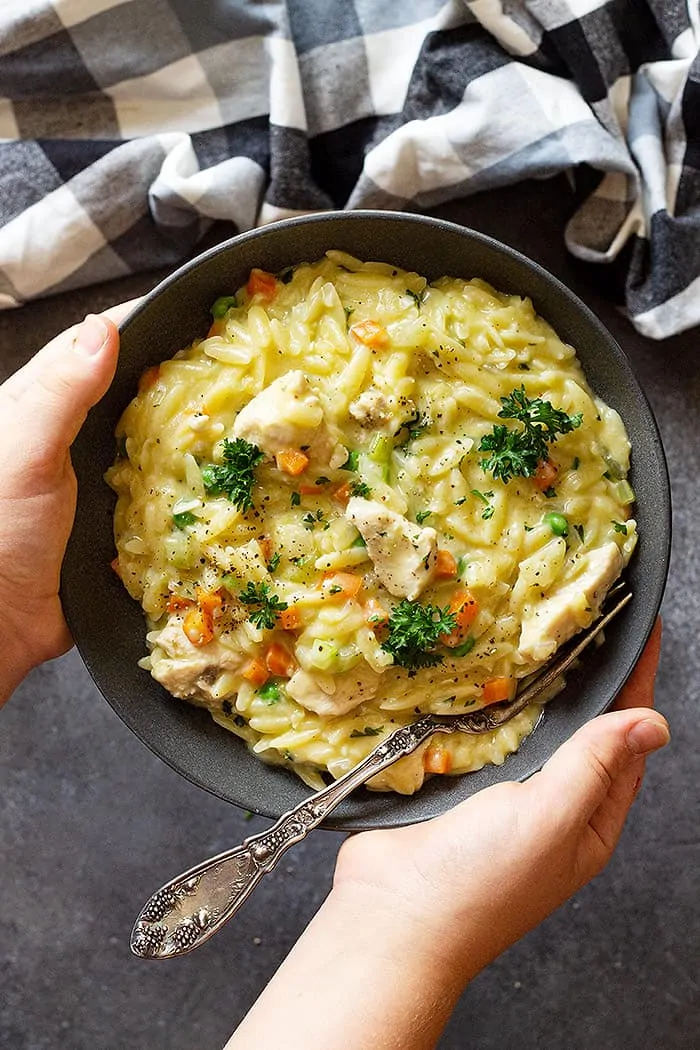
x: 186, y: 911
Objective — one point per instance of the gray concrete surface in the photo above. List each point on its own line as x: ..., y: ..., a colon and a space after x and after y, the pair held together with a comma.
x: 91, y: 822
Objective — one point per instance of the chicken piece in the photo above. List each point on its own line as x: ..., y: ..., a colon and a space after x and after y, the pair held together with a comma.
x: 570, y: 608
x: 286, y: 414
x: 373, y: 408
x: 403, y: 554
x: 327, y: 695
x: 184, y: 669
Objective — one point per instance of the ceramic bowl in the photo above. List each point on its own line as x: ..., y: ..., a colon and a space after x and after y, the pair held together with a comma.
x: 108, y: 626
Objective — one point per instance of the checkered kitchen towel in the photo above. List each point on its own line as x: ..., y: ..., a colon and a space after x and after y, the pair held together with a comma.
x: 128, y: 126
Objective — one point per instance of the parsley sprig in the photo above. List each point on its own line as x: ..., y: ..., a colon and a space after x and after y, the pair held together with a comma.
x: 414, y: 633
x: 266, y: 606
x: 236, y: 475
x: 518, y: 452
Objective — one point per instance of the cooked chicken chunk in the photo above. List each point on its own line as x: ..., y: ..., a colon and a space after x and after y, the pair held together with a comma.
x: 186, y: 670
x: 571, y: 607
x: 373, y: 408
x: 286, y: 414
x: 403, y: 554
x: 328, y: 695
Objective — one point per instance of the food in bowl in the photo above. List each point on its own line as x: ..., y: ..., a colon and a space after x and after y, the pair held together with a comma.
x: 363, y: 497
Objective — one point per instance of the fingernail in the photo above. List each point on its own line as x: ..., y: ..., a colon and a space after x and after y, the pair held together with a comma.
x: 647, y: 736
x: 91, y: 336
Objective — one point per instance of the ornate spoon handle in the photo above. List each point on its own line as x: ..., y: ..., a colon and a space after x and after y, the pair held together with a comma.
x: 190, y: 908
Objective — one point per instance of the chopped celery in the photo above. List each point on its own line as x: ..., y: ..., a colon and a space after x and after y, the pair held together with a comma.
x: 182, y: 520
x: 466, y: 646
x: 324, y: 655
x: 625, y: 492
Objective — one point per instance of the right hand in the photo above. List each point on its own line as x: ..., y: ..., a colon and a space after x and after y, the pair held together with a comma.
x: 476, y: 879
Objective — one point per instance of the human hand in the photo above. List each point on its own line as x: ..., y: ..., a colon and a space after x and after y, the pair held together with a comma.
x: 475, y: 880
x: 42, y: 406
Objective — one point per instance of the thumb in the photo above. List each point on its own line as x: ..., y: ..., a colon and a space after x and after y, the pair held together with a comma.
x: 46, y: 401
x: 585, y: 772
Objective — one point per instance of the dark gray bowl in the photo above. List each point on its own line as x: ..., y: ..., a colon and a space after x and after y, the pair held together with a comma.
x: 108, y: 626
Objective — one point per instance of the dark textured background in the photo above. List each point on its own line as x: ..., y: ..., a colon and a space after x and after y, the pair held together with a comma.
x: 91, y: 823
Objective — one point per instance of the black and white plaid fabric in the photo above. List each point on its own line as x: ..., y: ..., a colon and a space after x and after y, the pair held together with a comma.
x: 128, y: 126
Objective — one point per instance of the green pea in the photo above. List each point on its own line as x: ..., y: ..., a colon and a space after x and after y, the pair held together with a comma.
x: 557, y: 523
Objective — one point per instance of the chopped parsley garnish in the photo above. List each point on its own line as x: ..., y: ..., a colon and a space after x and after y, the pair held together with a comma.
x: 414, y: 633
x: 418, y: 299
x: 273, y: 562
x: 226, y: 707
x: 352, y: 462
x: 619, y: 526
x: 311, y: 520
x: 182, y: 520
x: 286, y: 275
x: 422, y: 515
x: 239, y: 720
x: 295, y: 499
x: 323, y: 480
x: 222, y: 305
x: 575, y: 463
x: 234, y: 477
x: 367, y: 731
x: 264, y: 606
x: 518, y: 452
x: 414, y: 426
x: 121, y: 447
x: 359, y: 488
x: 484, y: 497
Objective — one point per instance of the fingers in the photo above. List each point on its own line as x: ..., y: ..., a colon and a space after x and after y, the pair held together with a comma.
x: 582, y: 773
x: 639, y: 689
x: 46, y: 401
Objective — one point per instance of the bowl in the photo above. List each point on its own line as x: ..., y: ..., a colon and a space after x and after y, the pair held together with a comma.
x: 108, y: 626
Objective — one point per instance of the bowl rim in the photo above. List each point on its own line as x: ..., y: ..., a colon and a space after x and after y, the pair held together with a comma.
x: 337, y: 821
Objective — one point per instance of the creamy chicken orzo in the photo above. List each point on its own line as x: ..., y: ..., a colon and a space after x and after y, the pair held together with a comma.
x: 362, y: 497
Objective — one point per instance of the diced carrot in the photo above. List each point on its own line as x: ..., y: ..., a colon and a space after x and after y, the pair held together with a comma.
x: 496, y: 689
x: 437, y: 759
x: 262, y: 283
x: 256, y: 672
x: 265, y: 545
x: 445, y: 565
x: 279, y: 661
x: 198, y: 627
x: 341, y: 585
x: 464, y: 608
x: 178, y: 602
x: 308, y: 490
x: 343, y: 493
x: 149, y: 378
x: 209, y: 602
x: 292, y: 461
x: 114, y: 566
x: 374, y: 613
x: 290, y: 618
x: 218, y: 327
x: 546, y: 475
x: 370, y: 333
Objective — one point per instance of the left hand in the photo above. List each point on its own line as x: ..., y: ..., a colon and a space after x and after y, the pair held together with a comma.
x: 42, y: 406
